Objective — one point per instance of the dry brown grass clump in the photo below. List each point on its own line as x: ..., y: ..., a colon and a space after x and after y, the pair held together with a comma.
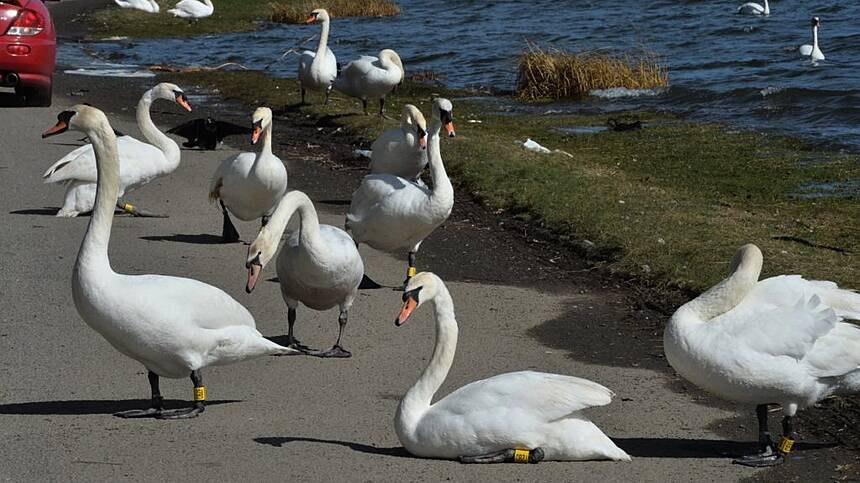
x: 558, y: 74
x: 296, y: 11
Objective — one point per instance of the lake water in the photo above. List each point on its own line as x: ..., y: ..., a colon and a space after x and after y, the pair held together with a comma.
x: 723, y: 66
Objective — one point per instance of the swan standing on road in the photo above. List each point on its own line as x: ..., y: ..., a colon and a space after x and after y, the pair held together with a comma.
x: 754, y: 9
x: 521, y: 416
x: 389, y: 213
x: 249, y: 184
x: 813, y: 51
x: 149, y: 6
x: 318, y: 266
x: 402, y: 151
x: 371, y: 77
x: 782, y: 340
x: 173, y: 326
x: 139, y: 162
x: 192, y: 9
x: 317, y: 70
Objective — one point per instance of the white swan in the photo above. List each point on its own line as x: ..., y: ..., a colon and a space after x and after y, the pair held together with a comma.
x: 249, y: 184
x: 192, y: 9
x: 517, y: 416
x: 317, y: 70
x: 318, y: 266
x: 371, y: 77
x: 139, y: 162
x: 389, y: 213
x: 754, y: 9
x: 149, y: 6
x: 781, y: 340
x: 813, y: 51
x: 402, y: 151
x: 173, y: 326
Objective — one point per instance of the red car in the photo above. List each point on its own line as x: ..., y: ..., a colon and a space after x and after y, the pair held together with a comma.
x: 28, y: 49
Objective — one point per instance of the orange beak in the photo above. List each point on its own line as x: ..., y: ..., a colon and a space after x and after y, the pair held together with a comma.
x: 405, y: 311
x: 253, y: 274
x: 422, y: 141
x: 183, y: 101
x: 310, y: 19
x: 255, y: 135
x: 58, y: 128
x: 449, y: 128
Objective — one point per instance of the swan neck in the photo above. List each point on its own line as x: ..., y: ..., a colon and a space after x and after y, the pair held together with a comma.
x: 152, y: 133
x: 94, y: 248
x: 727, y: 294
x: 766, y: 8
x: 267, y: 139
x: 441, y: 182
x: 290, y: 203
x: 815, y: 37
x: 323, y: 43
x: 417, y: 400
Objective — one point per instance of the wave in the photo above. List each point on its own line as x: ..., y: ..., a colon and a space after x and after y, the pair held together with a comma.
x: 619, y: 92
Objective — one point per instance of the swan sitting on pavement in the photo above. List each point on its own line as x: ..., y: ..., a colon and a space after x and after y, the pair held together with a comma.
x: 813, y: 51
x: 139, y: 162
x: 782, y: 340
x: 521, y: 416
x: 318, y: 266
x: 317, y: 70
x: 173, y: 326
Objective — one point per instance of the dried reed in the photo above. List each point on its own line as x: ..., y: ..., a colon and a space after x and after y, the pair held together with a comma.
x: 296, y: 11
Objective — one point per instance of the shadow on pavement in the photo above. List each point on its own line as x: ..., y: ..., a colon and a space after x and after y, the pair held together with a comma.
x: 92, y: 406
x: 201, y: 239
x: 9, y: 99
x: 698, y: 448
x: 362, y: 448
x: 46, y: 211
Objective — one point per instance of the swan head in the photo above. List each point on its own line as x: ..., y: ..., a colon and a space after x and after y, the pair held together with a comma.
x: 260, y: 121
x: 82, y: 117
x: 318, y: 15
x: 392, y: 56
x: 260, y: 252
x: 748, y: 258
x: 171, y: 92
x: 412, y: 118
x: 443, y: 110
x: 421, y: 288
x: 815, y: 22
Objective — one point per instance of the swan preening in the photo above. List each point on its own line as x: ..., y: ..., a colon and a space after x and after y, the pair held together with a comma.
x: 498, y: 419
x: 192, y: 9
x: 318, y: 265
x: 149, y: 6
x: 249, y: 184
x: 173, y: 326
x: 371, y: 77
x: 139, y: 162
x: 317, y: 70
x: 813, y: 51
x: 754, y: 9
x: 402, y: 151
x: 389, y: 213
x: 782, y: 340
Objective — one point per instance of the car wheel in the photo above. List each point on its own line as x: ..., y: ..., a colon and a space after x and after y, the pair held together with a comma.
x: 37, y: 96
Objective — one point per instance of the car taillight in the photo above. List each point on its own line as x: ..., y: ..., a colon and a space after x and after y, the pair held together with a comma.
x: 28, y: 23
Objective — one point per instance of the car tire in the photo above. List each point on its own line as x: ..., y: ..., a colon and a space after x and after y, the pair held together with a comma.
x: 37, y: 96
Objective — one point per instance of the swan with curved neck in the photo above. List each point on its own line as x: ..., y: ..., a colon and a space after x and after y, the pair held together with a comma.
x: 193, y: 9
x: 140, y: 162
x: 754, y: 9
x: 318, y: 266
x: 249, y: 184
x: 782, y: 340
x: 518, y: 416
x: 371, y: 77
x: 173, y: 326
x: 402, y: 151
x: 813, y: 51
x: 149, y: 6
x: 389, y: 213
x: 317, y: 70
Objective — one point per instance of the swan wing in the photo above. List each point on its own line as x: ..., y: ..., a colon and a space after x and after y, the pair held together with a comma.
x: 137, y: 161
x: 752, y: 8
x: 372, y: 190
x: 548, y: 396
x: 805, y: 49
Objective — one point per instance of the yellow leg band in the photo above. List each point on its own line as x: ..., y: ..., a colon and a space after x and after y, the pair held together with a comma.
x: 200, y: 393
x: 785, y: 445
x: 521, y: 456
x: 128, y: 208
x: 411, y: 271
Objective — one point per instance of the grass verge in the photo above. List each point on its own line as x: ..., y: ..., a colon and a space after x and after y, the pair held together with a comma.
x: 558, y: 74
x: 297, y: 11
x: 668, y: 203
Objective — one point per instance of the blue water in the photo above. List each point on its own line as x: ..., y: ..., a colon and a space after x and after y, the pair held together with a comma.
x: 723, y: 66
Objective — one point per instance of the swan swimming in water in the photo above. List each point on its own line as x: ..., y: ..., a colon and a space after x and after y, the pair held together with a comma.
x: 754, y: 9
x: 813, y: 51
x: 523, y: 416
x: 783, y: 340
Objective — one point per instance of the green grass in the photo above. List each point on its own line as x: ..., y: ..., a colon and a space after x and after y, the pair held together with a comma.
x: 669, y: 203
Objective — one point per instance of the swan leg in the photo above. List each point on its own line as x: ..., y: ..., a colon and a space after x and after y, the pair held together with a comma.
x: 137, y: 212
x: 228, y: 231
x: 769, y: 456
x: 336, y: 350
x: 199, y: 402
x: 327, y: 94
x: 303, y: 94
x: 507, y: 456
x: 292, y: 342
x: 157, y: 402
x: 364, y: 106
x: 382, y: 106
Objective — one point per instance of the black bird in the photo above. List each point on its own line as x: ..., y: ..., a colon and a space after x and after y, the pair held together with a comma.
x: 621, y: 126
x: 207, y: 133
